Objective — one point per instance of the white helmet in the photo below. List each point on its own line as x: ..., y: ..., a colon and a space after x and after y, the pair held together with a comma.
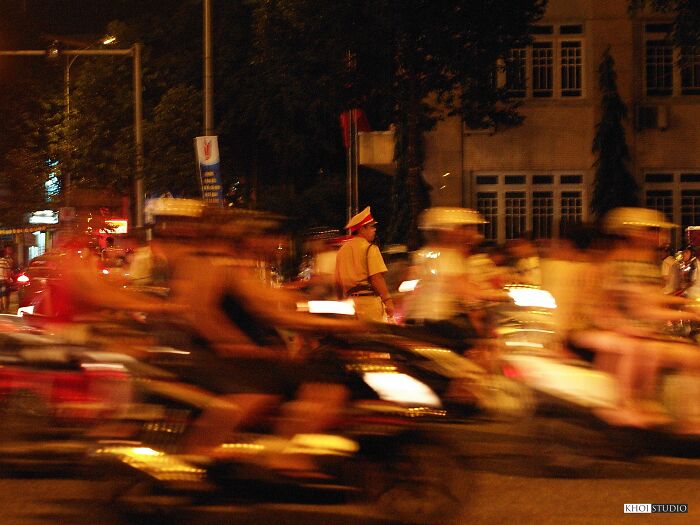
x: 443, y: 218
x: 621, y: 220
x: 173, y: 207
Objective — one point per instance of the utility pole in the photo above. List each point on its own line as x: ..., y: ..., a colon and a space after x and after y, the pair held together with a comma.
x: 354, y: 146
x: 208, y: 71
x: 138, y: 133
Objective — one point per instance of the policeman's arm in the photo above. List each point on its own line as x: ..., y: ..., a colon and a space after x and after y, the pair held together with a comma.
x: 379, y: 285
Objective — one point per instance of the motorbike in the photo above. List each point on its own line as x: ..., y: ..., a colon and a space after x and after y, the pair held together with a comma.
x: 387, y: 447
x: 569, y: 396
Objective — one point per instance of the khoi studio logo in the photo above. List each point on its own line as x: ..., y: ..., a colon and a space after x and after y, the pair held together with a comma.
x: 656, y: 508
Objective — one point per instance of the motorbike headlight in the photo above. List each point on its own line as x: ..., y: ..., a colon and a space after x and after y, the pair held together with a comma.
x: 402, y: 389
x: 532, y: 297
x: 327, y: 307
x: 408, y: 286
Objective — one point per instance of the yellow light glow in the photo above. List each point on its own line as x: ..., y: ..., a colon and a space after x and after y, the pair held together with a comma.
x: 117, y: 226
x: 145, y: 451
x: 332, y: 307
x: 401, y: 388
x: 532, y: 297
x: 525, y: 344
x: 408, y: 286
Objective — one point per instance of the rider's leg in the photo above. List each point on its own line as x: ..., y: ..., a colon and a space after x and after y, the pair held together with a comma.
x: 222, y: 417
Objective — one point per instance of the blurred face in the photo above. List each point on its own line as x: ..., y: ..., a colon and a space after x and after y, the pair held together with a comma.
x: 470, y: 235
x: 368, y: 232
x: 461, y: 236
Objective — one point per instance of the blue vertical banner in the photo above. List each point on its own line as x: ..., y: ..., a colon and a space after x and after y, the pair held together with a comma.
x: 209, y: 167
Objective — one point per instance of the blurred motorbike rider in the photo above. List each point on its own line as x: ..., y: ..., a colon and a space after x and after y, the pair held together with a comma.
x: 688, y: 268
x: 360, y: 269
x: 670, y: 270
x: 628, y: 338
x: 250, y: 363
x: 317, y: 275
x: 450, y: 280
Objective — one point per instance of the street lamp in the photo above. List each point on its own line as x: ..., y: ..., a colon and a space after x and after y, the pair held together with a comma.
x: 135, y: 53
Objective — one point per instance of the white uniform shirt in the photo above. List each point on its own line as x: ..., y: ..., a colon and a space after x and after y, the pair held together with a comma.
x: 437, y: 270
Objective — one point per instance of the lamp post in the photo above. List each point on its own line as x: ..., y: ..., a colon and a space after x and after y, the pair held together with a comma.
x: 135, y: 53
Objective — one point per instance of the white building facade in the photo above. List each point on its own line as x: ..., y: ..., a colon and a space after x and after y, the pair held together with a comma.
x: 533, y: 178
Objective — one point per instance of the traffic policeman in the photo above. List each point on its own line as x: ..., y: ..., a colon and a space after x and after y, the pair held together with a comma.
x: 360, y: 269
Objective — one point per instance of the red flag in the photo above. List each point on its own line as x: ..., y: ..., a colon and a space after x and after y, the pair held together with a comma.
x: 361, y: 123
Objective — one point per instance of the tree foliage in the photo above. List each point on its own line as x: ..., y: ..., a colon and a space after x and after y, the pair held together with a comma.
x: 284, y: 70
x: 686, y: 17
x: 25, y: 146
x: 614, y: 184
x: 391, y: 57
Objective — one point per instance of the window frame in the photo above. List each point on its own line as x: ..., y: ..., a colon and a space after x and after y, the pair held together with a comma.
x: 678, y: 65
x: 676, y: 189
x: 556, y: 39
x: 694, y: 66
x: 531, y: 189
x: 659, y: 37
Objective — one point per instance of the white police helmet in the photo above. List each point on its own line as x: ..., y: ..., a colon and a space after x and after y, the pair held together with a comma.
x: 444, y: 218
x: 173, y: 207
x: 623, y: 220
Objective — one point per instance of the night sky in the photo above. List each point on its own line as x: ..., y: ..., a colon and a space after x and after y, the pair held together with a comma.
x: 22, y: 21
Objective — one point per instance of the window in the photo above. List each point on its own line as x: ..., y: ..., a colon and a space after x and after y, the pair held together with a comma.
x: 542, y: 179
x: 690, y: 70
x: 677, y: 195
x: 659, y: 67
x: 487, y: 204
x: 542, y: 214
x: 575, y: 29
x: 516, y: 76
x: 669, y: 70
x: 571, y: 179
x: 522, y: 203
x: 542, y: 30
x: 542, y: 65
x: 658, y: 177
x: 571, y: 207
x: 487, y: 179
x: 690, y: 208
x: 551, y: 67
x: 516, y: 214
x: 661, y: 200
x: 690, y: 177
x: 571, y: 69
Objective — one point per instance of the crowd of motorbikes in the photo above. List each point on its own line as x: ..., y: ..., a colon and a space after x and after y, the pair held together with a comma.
x: 132, y: 397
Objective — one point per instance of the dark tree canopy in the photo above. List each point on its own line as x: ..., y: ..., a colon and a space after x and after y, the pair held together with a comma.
x: 404, y: 62
x: 284, y: 70
x: 614, y: 184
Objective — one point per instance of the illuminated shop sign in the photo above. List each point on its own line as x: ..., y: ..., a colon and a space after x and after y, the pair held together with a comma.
x: 43, y: 217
